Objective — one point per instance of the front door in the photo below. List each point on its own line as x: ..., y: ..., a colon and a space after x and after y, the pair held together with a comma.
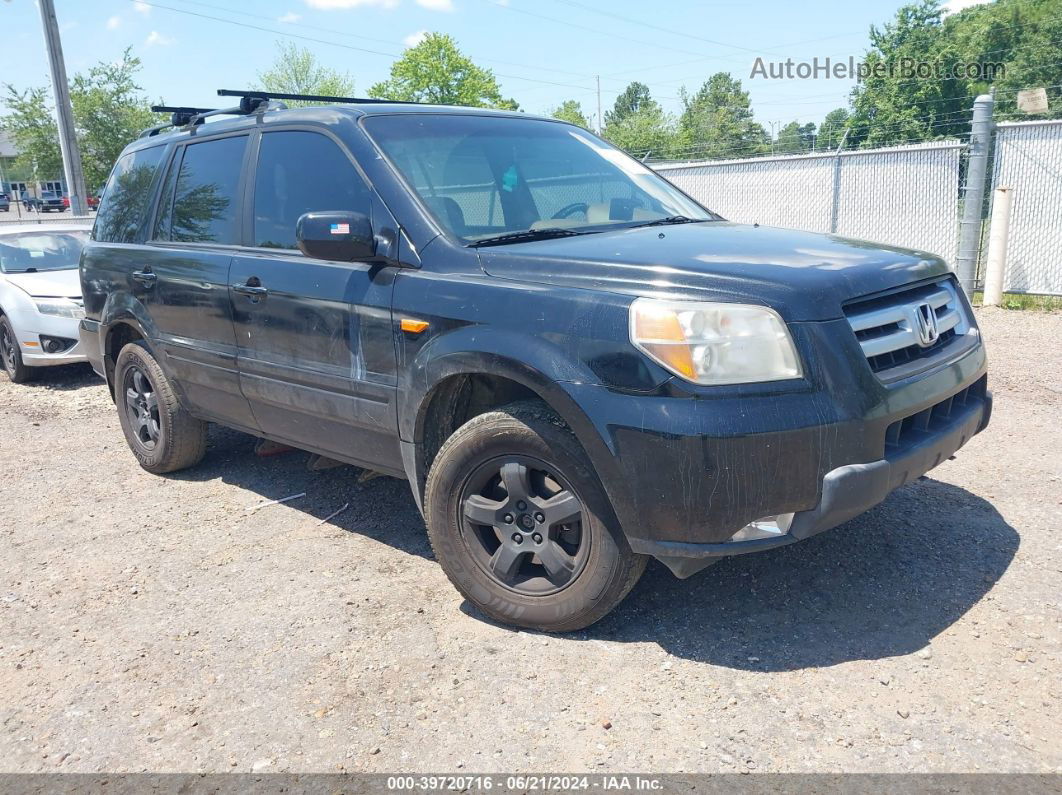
x: 185, y: 281
x: 314, y: 339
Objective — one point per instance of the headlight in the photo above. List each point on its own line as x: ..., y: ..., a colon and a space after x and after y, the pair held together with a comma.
x: 712, y: 343
x: 60, y: 308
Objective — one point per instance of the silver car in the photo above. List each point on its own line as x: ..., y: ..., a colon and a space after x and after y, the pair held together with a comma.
x: 40, y: 297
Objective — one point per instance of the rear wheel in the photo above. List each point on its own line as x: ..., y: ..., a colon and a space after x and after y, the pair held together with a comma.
x: 521, y: 525
x: 11, y: 356
x: 162, y: 435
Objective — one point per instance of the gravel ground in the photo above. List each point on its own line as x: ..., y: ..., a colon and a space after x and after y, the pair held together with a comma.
x: 155, y: 624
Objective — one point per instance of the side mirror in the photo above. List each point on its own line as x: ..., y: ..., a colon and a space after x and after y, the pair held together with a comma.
x: 336, y: 235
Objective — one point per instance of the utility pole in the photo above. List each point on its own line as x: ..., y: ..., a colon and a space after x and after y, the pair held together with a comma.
x: 75, y: 177
x: 974, y: 193
x: 599, y: 122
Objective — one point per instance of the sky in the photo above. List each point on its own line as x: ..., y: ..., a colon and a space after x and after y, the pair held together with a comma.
x: 542, y: 51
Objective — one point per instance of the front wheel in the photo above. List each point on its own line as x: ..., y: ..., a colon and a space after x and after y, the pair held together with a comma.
x: 521, y: 525
x: 162, y: 435
x: 11, y: 356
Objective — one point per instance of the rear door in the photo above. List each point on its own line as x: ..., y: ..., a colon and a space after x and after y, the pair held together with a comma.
x: 185, y: 282
x: 315, y: 340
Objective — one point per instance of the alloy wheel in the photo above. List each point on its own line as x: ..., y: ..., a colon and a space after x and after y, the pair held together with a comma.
x: 524, y: 525
x: 7, y: 348
x: 142, y: 407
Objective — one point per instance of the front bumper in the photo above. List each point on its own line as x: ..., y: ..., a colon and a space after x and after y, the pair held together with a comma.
x: 849, y: 490
x: 685, y: 470
x: 29, y: 339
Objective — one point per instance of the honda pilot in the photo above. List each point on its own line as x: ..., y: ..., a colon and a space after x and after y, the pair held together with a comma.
x: 576, y: 366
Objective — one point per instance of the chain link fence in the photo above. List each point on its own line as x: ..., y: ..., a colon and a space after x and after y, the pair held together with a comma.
x: 18, y: 216
x: 1028, y: 160
x: 903, y: 196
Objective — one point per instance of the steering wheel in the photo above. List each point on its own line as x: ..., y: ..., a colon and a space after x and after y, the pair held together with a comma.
x: 571, y: 209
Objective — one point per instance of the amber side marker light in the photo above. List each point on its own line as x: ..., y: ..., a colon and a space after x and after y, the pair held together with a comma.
x: 32, y: 344
x: 413, y: 326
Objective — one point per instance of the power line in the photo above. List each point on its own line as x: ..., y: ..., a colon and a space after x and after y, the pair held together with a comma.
x: 743, y: 153
x: 390, y: 55
x: 643, y: 43
x: 729, y: 57
x: 322, y: 29
x: 642, y: 24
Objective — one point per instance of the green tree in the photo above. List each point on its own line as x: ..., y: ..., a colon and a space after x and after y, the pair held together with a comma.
x: 295, y: 70
x: 638, y: 125
x: 717, y: 121
x: 1014, y: 41
x: 31, y: 125
x: 895, y: 107
x: 635, y: 98
x: 831, y: 131
x: 572, y: 112
x: 436, y: 71
x: 1024, y: 36
x: 109, y: 111
x: 795, y: 138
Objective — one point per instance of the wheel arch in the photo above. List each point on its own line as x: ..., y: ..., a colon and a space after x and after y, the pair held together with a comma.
x: 119, y: 332
x: 465, y: 385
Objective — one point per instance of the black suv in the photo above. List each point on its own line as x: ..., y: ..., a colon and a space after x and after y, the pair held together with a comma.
x: 575, y: 365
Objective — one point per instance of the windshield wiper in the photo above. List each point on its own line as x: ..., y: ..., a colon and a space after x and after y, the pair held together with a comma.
x: 524, y: 236
x: 668, y: 220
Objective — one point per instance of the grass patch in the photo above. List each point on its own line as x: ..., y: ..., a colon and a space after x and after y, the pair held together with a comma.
x: 1037, y: 303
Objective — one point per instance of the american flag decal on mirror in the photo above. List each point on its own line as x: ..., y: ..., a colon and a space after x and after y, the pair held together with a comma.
x: 340, y: 229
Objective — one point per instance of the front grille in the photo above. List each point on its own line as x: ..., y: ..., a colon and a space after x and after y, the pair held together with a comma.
x: 907, y: 328
x: 907, y: 432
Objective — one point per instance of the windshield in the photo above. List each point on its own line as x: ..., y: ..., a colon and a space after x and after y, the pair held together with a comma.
x: 41, y: 251
x: 483, y: 176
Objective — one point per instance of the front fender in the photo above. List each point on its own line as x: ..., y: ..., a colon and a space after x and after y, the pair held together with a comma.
x: 527, y: 360
x: 562, y: 383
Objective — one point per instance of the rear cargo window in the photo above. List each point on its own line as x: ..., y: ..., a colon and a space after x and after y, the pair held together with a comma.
x: 202, y: 207
x: 127, y: 196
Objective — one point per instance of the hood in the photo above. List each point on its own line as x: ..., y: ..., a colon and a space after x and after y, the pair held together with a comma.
x: 48, y: 284
x: 802, y: 275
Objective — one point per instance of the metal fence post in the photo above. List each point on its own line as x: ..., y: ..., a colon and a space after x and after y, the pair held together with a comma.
x: 974, y: 193
x: 835, y: 208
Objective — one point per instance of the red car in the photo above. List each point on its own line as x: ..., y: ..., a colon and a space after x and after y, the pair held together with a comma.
x: 93, y: 201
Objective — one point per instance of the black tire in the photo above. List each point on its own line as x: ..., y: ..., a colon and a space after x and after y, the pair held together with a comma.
x: 162, y: 435
x: 513, y: 584
x: 11, y: 355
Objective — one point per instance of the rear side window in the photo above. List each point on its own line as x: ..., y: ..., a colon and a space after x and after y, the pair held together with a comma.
x: 301, y: 172
x: 200, y: 198
x: 127, y: 197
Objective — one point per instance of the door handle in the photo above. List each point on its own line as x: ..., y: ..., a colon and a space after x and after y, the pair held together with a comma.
x: 252, y: 288
x: 145, y: 277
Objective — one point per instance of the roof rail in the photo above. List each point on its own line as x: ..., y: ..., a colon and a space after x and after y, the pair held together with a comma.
x: 254, y: 93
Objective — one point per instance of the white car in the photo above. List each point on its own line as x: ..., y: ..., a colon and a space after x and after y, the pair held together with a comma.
x: 40, y: 297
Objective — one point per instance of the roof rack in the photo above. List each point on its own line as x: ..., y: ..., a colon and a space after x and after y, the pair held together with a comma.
x: 182, y: 116
x: 251, y: 101
x: 254, y: 93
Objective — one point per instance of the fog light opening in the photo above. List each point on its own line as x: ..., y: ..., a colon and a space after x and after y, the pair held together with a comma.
x: 764, y: 527
x: 56, y: 344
